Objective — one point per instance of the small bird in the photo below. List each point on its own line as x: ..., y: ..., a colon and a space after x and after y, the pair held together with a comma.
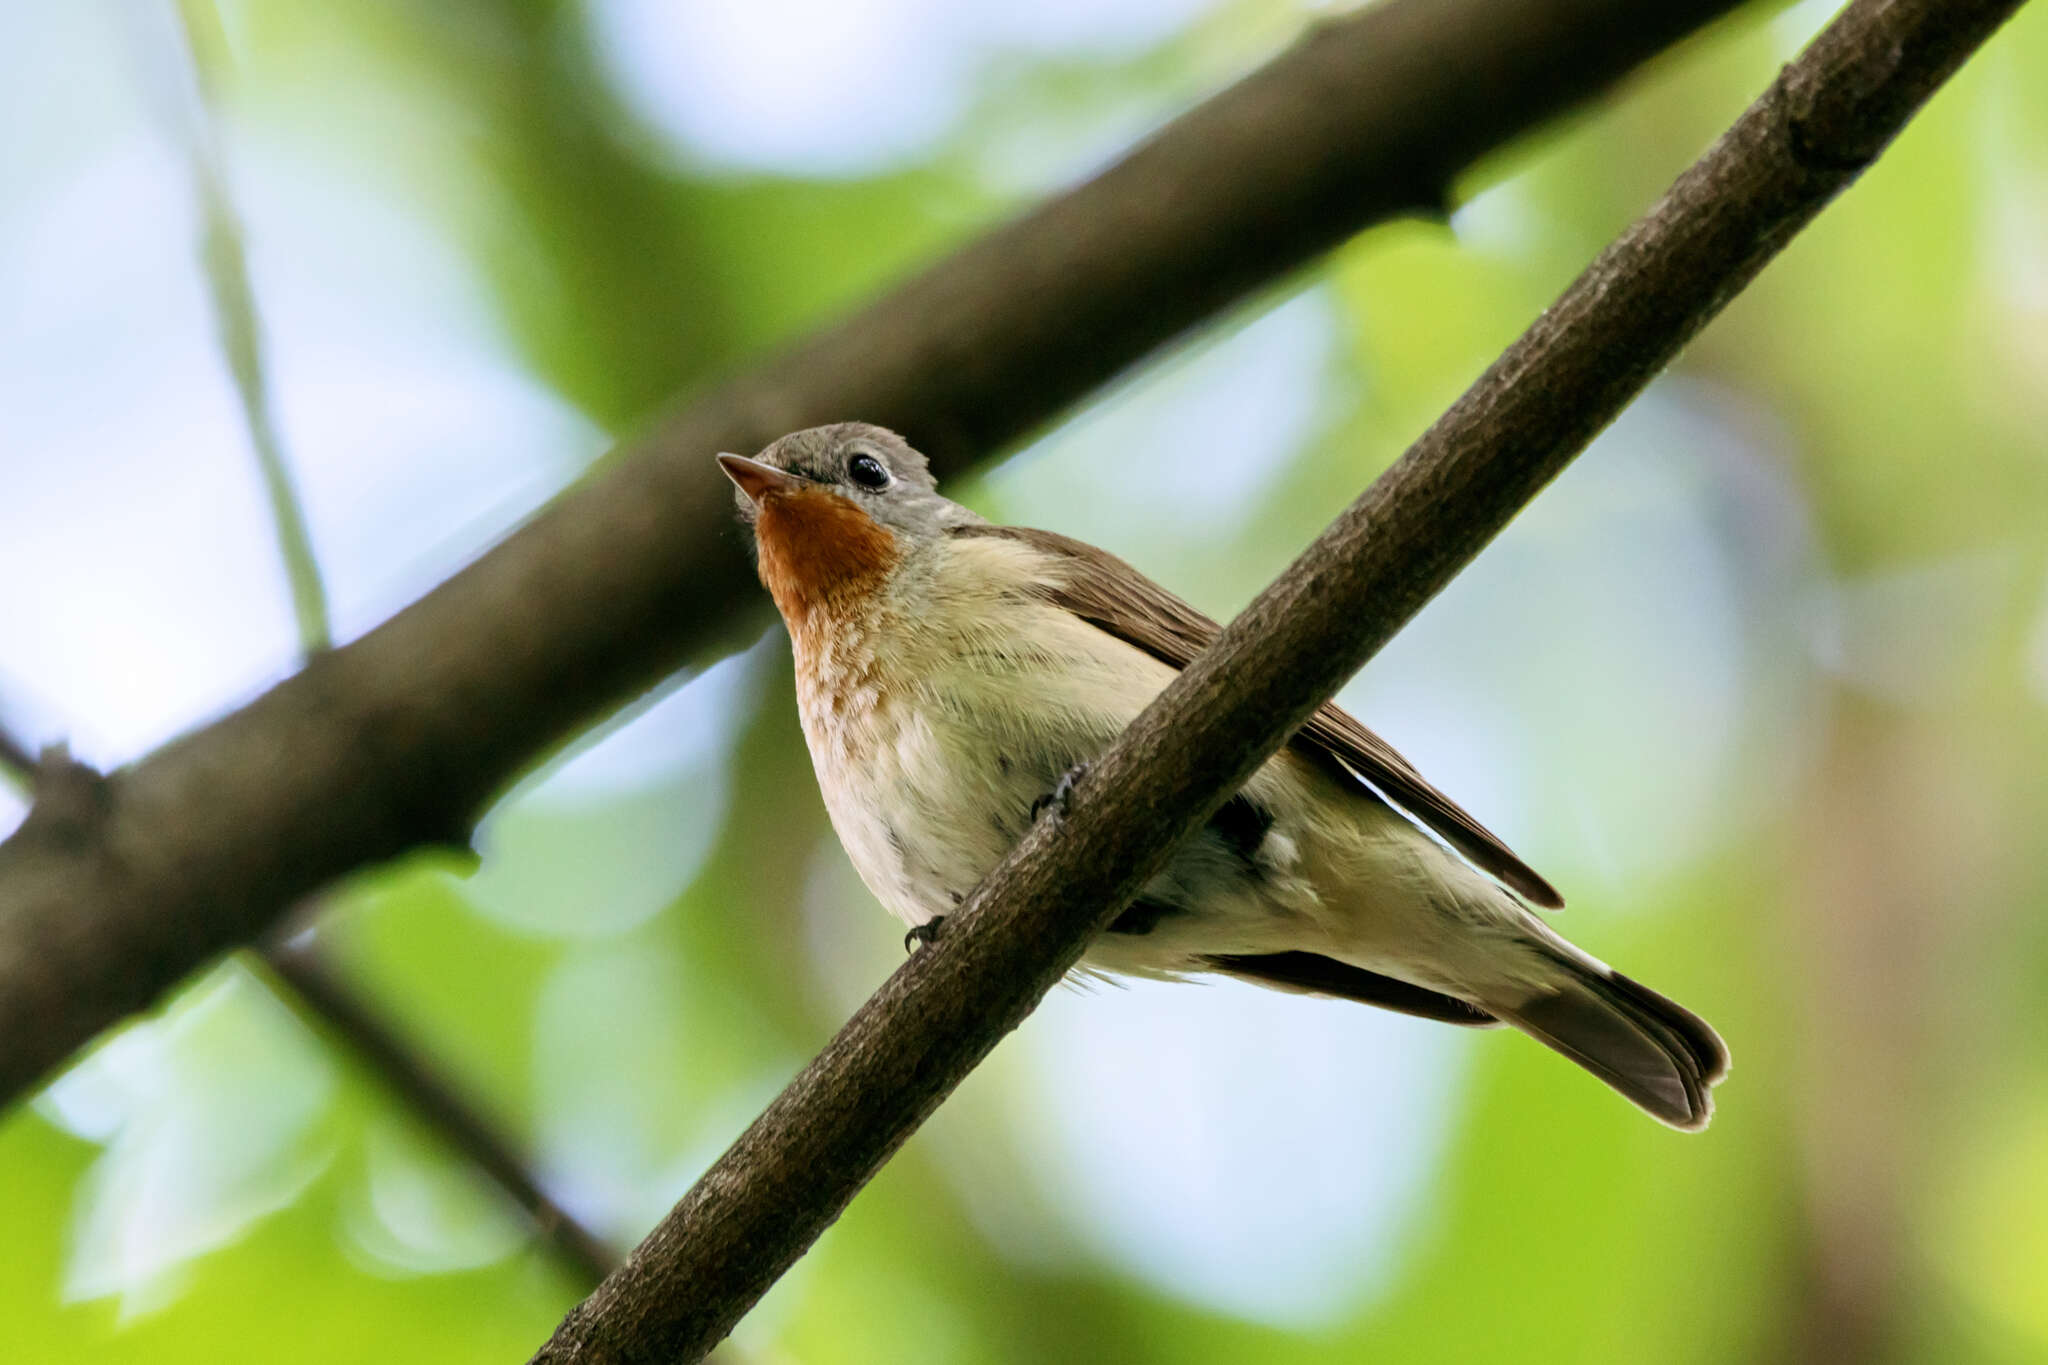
x: 951, y: 672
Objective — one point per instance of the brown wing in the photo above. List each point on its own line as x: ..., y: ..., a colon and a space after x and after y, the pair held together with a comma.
x: 1111, y: 595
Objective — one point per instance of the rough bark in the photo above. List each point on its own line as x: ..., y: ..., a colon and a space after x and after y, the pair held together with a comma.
x: 118, y: 890
x: 792, y: 1172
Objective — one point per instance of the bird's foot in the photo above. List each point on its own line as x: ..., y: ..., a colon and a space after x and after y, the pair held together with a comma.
x: 1062, y: 792
x: 923, y: 935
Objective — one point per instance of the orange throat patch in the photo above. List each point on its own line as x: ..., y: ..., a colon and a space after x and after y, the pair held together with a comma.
x: 821, y: 556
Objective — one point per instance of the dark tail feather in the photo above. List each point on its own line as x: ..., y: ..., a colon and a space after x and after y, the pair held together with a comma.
x: 1314, y: 974
x: 1660, y: 1055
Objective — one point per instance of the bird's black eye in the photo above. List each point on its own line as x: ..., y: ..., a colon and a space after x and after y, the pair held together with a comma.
x: 867, y: 471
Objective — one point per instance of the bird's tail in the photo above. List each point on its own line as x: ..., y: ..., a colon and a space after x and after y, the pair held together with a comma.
x: 1660, y: 1055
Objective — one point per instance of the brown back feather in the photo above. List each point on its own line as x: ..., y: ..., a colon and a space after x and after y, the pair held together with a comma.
x: 1114, y: 597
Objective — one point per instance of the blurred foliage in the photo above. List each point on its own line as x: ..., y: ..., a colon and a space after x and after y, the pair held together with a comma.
x: 1763, y: 683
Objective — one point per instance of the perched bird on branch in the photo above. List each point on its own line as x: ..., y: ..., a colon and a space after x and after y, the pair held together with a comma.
x: 951, y: 673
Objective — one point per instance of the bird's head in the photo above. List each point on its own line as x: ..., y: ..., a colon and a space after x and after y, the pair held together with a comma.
x: 835, y: 511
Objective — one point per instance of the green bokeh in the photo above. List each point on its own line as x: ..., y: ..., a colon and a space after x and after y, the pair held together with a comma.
x: 1864, y: 925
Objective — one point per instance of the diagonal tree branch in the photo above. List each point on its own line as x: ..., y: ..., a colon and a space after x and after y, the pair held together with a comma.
x: 792, y: 1172
x: 397, y: 740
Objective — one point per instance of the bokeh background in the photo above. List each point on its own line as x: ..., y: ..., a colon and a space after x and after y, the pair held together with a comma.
x: 1761, y: 683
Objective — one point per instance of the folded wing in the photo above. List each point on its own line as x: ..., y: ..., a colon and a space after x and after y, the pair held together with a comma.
x: 1114, y: 597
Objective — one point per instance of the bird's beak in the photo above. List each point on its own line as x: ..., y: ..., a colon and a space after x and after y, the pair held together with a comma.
x: 755, y: 479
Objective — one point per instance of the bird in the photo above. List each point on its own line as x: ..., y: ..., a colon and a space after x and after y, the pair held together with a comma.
x: 952, y: 672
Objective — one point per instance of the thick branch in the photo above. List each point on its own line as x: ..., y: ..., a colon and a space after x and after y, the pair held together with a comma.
x: 794, y: 1170
x: 398, y: 739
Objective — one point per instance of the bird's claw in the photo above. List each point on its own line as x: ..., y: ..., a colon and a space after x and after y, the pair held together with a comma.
x: 1061, y: 794
x: 923, y: 935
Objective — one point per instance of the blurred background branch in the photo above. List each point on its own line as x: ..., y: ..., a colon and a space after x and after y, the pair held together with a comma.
x: 354, y: 1024
x: 224, y: 253
x: 397, y: 741
x: 1826, y: 118
x: 367, y: 1034
x: 17, y: 764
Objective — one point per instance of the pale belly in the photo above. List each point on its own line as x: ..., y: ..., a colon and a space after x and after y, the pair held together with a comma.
x: 928, y: 793
x: 926, y: 806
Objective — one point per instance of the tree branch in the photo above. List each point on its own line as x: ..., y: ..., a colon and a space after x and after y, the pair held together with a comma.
x: 17, y: 764
x: 362, y: 1029
x: 398, y: 740
x: 226, y: 259
x: 359, y: 1027
x: 793, y: 1171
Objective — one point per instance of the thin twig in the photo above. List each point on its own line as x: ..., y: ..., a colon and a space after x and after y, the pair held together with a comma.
x: 361, y: 1028
x: 793, y: 1171
x: 396, y: 740
x: 224, y: 252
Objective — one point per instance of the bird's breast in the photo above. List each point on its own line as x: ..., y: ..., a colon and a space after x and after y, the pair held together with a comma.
x: 935, y: 725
